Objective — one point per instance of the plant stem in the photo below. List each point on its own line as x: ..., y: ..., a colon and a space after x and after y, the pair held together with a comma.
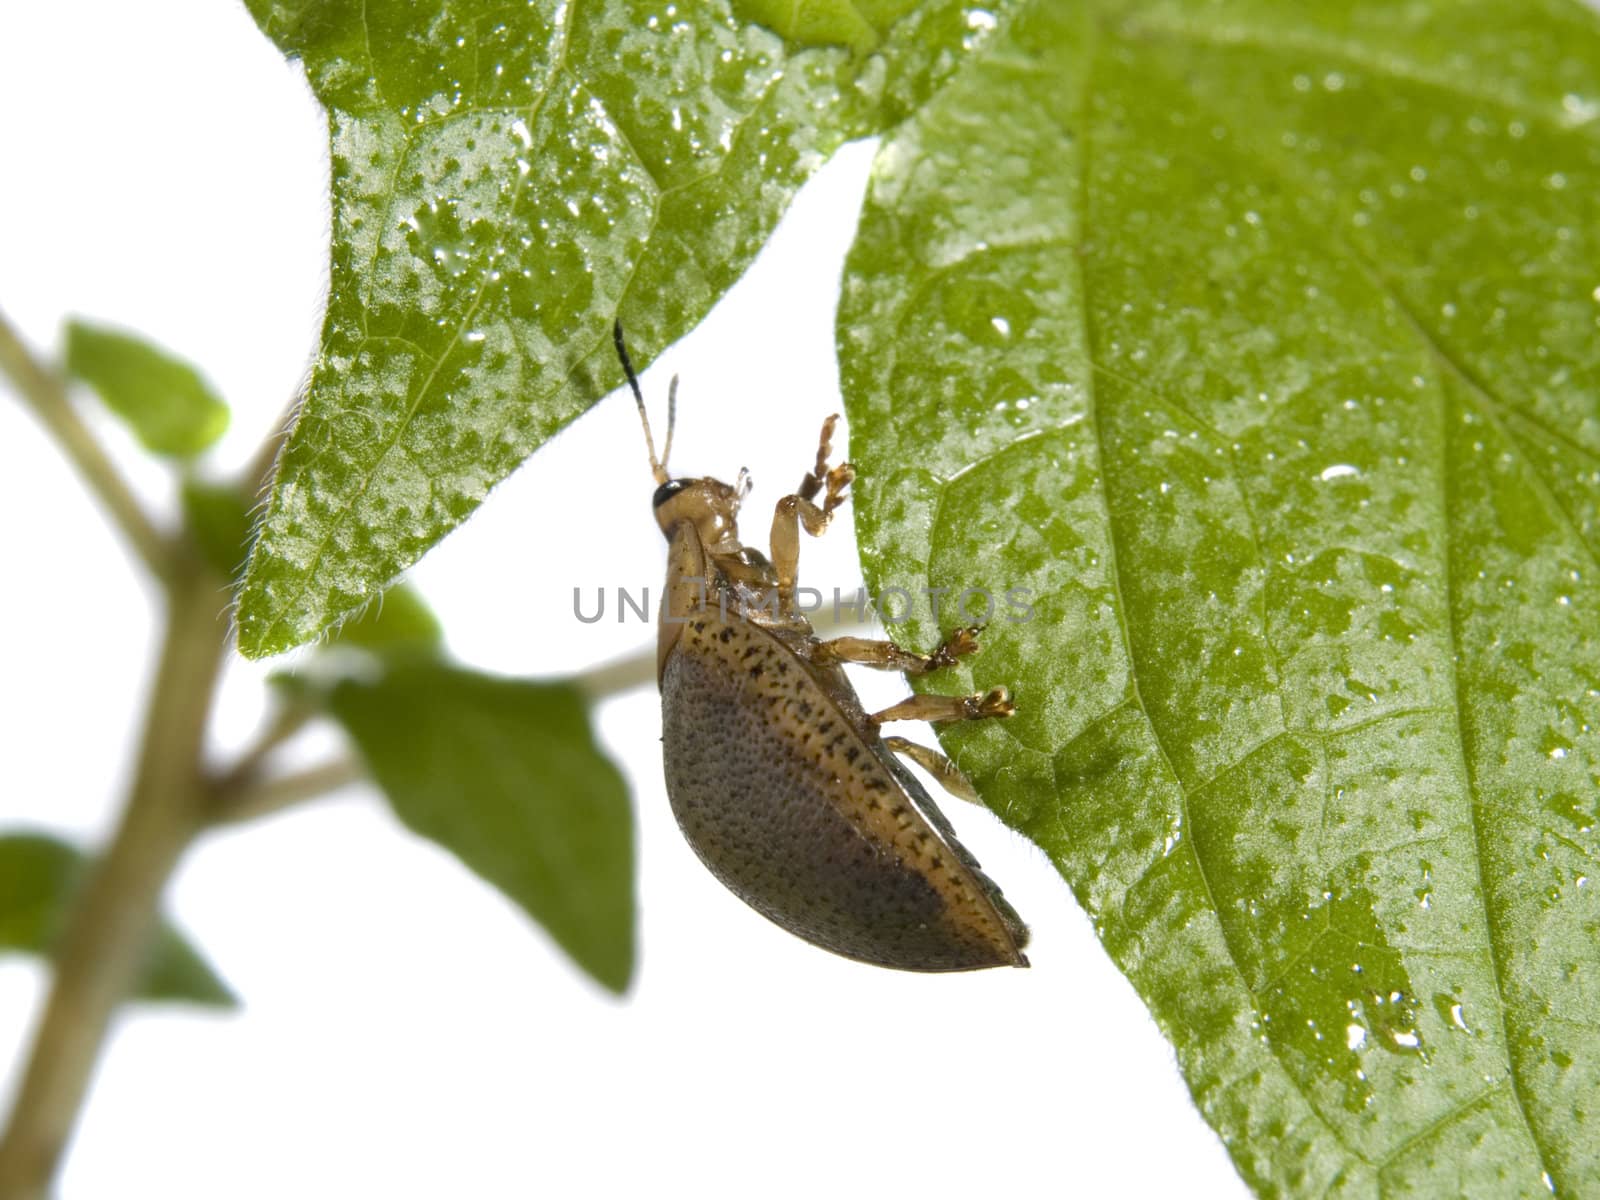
x: 263, y: 797
x: 110, y: 926
x: 246, y: 770
x: 43, y: 392
x: 172, y: 800
x: 618, y: 676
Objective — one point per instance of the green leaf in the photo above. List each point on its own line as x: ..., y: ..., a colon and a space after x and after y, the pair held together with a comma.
x: 1258, y: 343
x: 505, y: 774
x: 506, y: 181
x: 39, y: 876
x: 171, y: 409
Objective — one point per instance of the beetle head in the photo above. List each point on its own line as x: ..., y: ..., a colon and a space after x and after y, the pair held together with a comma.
x: 710, y: 505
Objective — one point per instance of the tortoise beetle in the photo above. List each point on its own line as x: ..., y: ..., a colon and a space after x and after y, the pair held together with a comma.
x: 779, y: 779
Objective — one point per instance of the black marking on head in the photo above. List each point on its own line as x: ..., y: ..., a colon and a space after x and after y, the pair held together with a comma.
x: 667, y: 491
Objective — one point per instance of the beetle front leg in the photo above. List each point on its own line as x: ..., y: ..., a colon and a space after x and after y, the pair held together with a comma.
x: 886, y: 656
x: 800, y: 508
x: 820, y: 476
x: 996, y: 702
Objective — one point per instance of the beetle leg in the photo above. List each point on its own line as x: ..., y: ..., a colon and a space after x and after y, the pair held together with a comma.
x: 996, y: 702
x: 800, y: 509
x: 949, y: 775
x: 792, y: 512
x: 886, y: 656
x: 835, y: 480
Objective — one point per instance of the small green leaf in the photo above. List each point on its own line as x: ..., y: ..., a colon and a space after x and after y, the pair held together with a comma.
x: 218, y: 521
x: 171, y: 409
x: 1260, y: 345
x: 505, y: 774
x: 506, y: 181
x: 39, y: 876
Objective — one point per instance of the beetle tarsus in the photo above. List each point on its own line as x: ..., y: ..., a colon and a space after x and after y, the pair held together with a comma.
x: 886, y: 656
x: 996, y: 702
x: 958, y: 645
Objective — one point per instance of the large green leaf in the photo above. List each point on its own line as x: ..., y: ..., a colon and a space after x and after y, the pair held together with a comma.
x: 218, y: 521
x: 506, y: 181
x: 39, y: 876
x: 1259, y: 342
x: 166, y: 402
x: 506, y: 775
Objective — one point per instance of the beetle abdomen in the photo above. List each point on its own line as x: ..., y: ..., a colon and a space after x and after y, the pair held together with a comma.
x: 796, y: 812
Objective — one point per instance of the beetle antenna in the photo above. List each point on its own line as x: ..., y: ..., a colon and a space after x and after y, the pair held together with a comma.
x: 672, y: 420
x: 658, y: 467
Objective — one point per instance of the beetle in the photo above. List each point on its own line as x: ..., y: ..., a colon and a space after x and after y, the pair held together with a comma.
x: 779, y: 779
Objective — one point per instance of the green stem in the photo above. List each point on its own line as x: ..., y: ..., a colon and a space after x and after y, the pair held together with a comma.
x: 172, y: 800
x: 247, y: 770
x: 43, y: 392
x: 110, y: 926
x: 263, y: 797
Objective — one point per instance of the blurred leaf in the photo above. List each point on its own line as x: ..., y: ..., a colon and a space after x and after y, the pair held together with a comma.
x: 218, y: 519
x: 1258, y: 343
x: 399, y: 619
x: 171, y: 409
x: 39, y: 876
x: 505, y: 774
x: 506, y: 181
x: 398, y: 625
x: 859, y: 24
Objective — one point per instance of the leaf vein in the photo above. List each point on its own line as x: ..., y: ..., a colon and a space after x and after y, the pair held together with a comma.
x: 1115, y: 571
x: 1453, y: 606
x: 1355, y: 55
x: 1451, y: 1115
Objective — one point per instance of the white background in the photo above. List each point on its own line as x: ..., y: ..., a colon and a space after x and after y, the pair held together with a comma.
x: 405, y: 1031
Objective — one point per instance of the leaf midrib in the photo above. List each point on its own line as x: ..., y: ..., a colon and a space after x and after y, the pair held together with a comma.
x: 1133, y: 695
x: 304, y: 579
x: 1378, y: 61
x: 1387, y: 65
x: 1091, y: 392
x: 1341, y: 248
x: 557, y: 68
x: 1436, y: 349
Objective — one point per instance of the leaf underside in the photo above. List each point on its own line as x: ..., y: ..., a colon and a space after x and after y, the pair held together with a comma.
x: 506, y: 182
x: 1260, y: 343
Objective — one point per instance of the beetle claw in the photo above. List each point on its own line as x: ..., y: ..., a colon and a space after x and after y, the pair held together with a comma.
x: 996, y: 702
x: 958, y: 645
